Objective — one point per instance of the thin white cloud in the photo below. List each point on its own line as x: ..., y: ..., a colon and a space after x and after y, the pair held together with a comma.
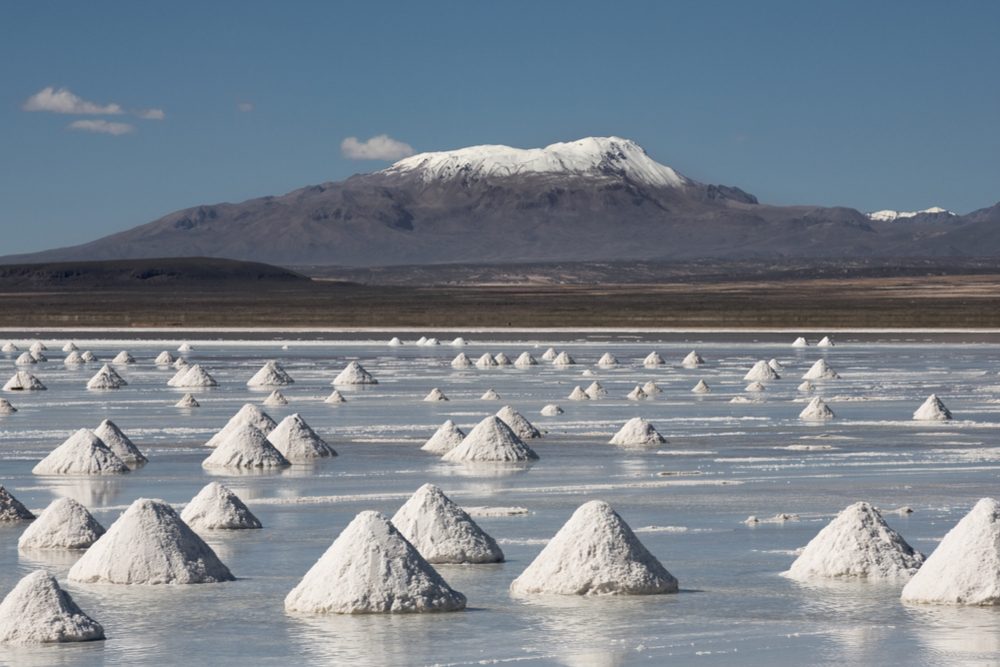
x: 245, y: 107
x: 61, y: 100
x: 380, y: 147
x: 151, y: 114
x: 102, y: 127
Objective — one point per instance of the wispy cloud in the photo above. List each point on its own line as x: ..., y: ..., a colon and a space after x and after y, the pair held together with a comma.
x: 102, y: 127
x: 61, y: 100
x: 151, y: 114
x: 245, y: 107
x: 380, y: 147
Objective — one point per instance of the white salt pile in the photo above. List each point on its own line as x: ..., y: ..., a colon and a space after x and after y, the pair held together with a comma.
x: 74, y: 358
x: 164, y: 359
x: 637, y: 394
x: 82, y: 453
x: 761, y: 372
x: 551, y: 410
x: 491, y: 441
x: 826, y: 341
x: 594, y: 553
x: 458, y: 342
x: 692, y: 360
x: 518, y: 423
x: 106, y: 378
x: 123, y: 357
x: 297, y: 442
x: 965, y: 566
x: 806, y: 386
x: 490, y: 395
x: 820, y: 371
x: 149, y: 544
x: 502, y: 360
x: 37, y: 346
x: 549, y: 354
x: 461, y: 361
x: 447, y: 437
x: 6, y: 408
x: 743, y: 399
x: 525, y: 360
x: 800, y: 342
x: 369, y: 569
x: 578, y: 394
x: 486, y: 361
x: 271, y: 374
x: 776, y: 365
x: 244, y: 446
x: 217, y: 508
x: 637, y: 432
x: 64, y: 524
x: 435, y: 394
x: 11, y: 508
x: 195, y: 376
x: 652, y: 360
x: 180, y: 362
x: 187, y: 401
x: 651, y: 388
x: 441, y: 530
x: 335, y: 397
x: 8, y: 348
x: 395, y: 342
x: 596, y: 390
x: 39, y: 357
x: 275, y: 399
x: 120, y: 444
x: 25, y: 359
x: 248, y: 414
x: 38, y: 611
x: 421, y: 341
x: 701, y: 388
x: 563, y: 359
x: 857, y: 544
x: 89, y: 357
x: 755, y: 387
x: 587, y: 373
x: 607, y: 360
x: 817, y: 410
x: 354, y: 374
x: 933, y: 409
x: 431, y: 342
x: 184, y: 347
x: 70, y: 346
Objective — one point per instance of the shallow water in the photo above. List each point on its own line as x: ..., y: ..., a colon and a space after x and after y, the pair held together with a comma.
x: 687, y: 499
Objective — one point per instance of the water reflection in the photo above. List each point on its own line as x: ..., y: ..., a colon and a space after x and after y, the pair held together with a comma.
x: 91, y: 492
x: 957, y: 634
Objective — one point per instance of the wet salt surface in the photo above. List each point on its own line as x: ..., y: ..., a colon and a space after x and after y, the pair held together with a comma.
x: 688, y: 498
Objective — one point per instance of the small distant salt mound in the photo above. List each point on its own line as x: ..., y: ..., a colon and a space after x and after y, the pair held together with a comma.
x: 701, y: 388
x: 637, y: 432
x: 486, y: 361
x: 70, y: 346
x: 371, y: 569
x: 776, y: 365
x: 8, y: 348
x: 180, y: 362
x: 89, y: 357
x: 38, y: 611
x: 83, y: 453
x: 11, y: 508
x: 741, y: 399
x: 551, y: 410
x: 607, y: 360
x: 431, y: 342
x: 38, y: 347
x: 692, y: 360
x: 857, y: 544
x: 502, y: 360
x: 491, y: 441
x: 594, y: 553
x: 637, y: 394
x: 6, y: 408
x: 965, y: 566
x: 434, y: 395
x: 39, y: 357
x: 120, y: 444
x: 825, y: 342
x: 335, y: 397
x: 421, y: 341
x: 652, y: 360
x: 800, y: 342
x: 651, y: 388
x: 23, y: 381
x: 150, y: 544
x: 447, y: 437
x: 25, y: 359
x: 245, y: 446
x: 297, y: 442
x: 184, y: 347
x: 123, y: 357
x: 820, y: 371
x: 806, y: 386
x: 74, y: 358
x: 490, y: 395
x: 442, y: 531
x: 354, y: 374
x: 64, y: 524
x: 458, y: 342
x: 525, y: 360
x: 587, y: 373
x: 596, y: 390
x: 578, y: 394
x: 755, y: 387
x: 549, y: 354
x: 187, y: 401
x: 563, y: 359
x: 217, y: 508
x: 271, y: 374
x: 761, y: 372
x: 932, y: 410
x: 275, y: 399
x: 461, y: 361
x: 817, y: 410
x: 395, y: 342
x: 781, y: 517
x: 518, y: 423
x: 106, y: 378
x: 164, y: 359
x: 193, y: 376
x: 248, y: 414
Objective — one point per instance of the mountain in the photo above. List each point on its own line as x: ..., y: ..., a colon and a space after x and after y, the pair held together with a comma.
x: 599, y: 198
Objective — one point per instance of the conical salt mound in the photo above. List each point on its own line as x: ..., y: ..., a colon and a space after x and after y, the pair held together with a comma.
x: 245, y: 446
x: 435, y: 394
x: 270, y: 374
x: 932, y: 410
x: 518, y: 423
x: 525, y: 360
x: 371, y: 569
x: 70, y: 346
x: 461, y: 360
x: 106, y: 378
x: 857, y: 544
x: 493, y: 441
x: 486, y: 361
x: 354, y: 373
x: 776, y: 365
x: 187, y: 401
x: 637, y: 394
x: 447, y: 437
x: 432, y: 342
x: 820, y: 371
x: 395, y: 342
x: 563, y: 359
x: 335, y: 397
x: 637, y: 431
x: 421, y: 341
x: 652, y: 360
x: 23, y: 381
x: 800, y: 342
x: 806, y: 386
x: 692, y: 360
x: 64, y: 524
x: 594, y: 553
x: 123, y: 357
x: 180, y: 363
x: 458, y: 342
x: 755, y: 387
x: 6, y: 408
x: 965, y: 566
x: 8, y: 348
x: 182, y: 370
x: 297, y: 442
x: 25, y: 359
x: 217, y: 508
x: 120, y: 444
x: 11, y: 509
x: 551, y: 410
x: 164, y: 359
x: 578, y: 394
x: 596, y: 390
x: 74, y: 358
x: 549, y: 354
x: 89, y: 357
x: 248, y: 414
x: 149, y: 544
x: 502, y: 360
x: 38, y: 611
x: 490, y: 395
x: 82, y: 453
x: 195, y: 376
x: 817, y: 410
x: 607, y: 360
x: 184, y: 347
x: 442, y: 532
x: 761, y: 372
x: 825, y: 342
x: 275, y: 399
x: 651, y: 388
x: 701, y: 388
x: 37, y: 346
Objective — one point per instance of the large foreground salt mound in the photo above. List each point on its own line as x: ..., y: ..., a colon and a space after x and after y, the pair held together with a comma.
x: 217, y: 508
x: 271, y: 374
x: 11, y: 508
x: 106, y: 378
x: 245, y: 446
x: 248, y: 414
x: 120, y: 444
x: 518, y: 423
x: 64, y: 524
x: 491, y: 440
x: 965, y: 567
x: 371, y: 568
x: 760, y: 372
x: 820, y: 371
x: 149, y: 544
x: 595, y: 553
x: 637, y: 431
x: 82, y: 453
x: 38, y: 611
x: 297, y: 442
x: 857, y: 544
x: 817, y: 410
x: 354, y: 373
x: 447, y: 437
x: 23, y: 381
x: 441, y: 530
x: 933, y: 409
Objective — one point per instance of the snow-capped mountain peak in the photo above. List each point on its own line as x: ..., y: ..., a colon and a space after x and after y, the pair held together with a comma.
x: 591, y: 156
x: 888, y: 215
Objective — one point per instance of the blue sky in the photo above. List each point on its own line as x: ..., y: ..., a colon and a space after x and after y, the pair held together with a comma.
x: 863, y: 104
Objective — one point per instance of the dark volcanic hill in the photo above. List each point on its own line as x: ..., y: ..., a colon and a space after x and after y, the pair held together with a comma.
x: 593, y: 199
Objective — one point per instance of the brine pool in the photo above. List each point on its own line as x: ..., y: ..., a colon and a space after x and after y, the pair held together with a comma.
x: 687, y: 500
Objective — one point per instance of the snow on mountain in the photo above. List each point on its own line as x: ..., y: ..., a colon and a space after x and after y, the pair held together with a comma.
x: 592, y: 156
x: 888, y: 215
